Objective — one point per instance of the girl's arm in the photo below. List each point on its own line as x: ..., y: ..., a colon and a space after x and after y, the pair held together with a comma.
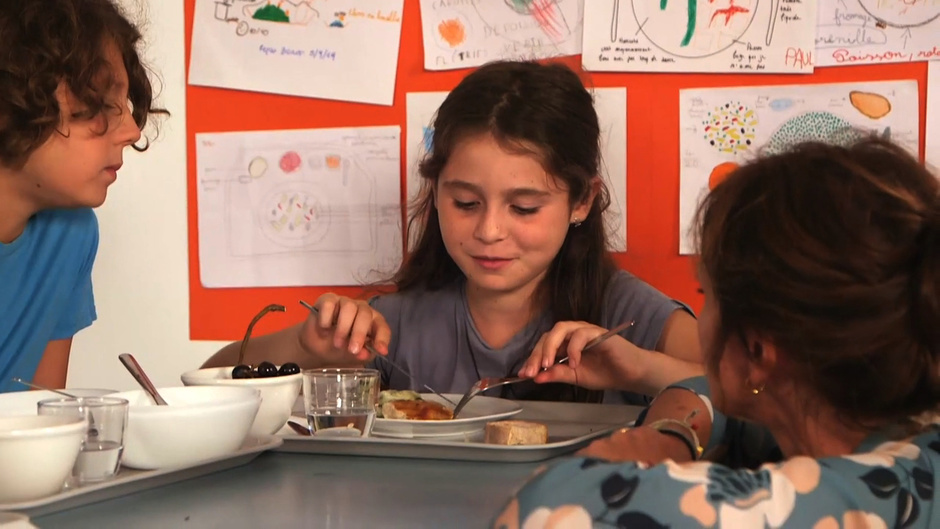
x: 680, y: 338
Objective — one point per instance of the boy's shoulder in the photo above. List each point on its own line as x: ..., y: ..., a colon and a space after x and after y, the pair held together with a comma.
x: 55, y: 234
x: 77, y: 219
x: 71, y: 226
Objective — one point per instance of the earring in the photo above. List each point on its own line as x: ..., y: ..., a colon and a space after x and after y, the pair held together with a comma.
x: 755, y: 390
x: 576, y: 222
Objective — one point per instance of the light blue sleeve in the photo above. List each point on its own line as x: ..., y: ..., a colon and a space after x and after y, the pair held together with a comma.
x: 81, y: 300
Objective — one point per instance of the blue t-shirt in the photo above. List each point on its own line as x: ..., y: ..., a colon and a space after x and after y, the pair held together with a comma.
x: 45, y: 288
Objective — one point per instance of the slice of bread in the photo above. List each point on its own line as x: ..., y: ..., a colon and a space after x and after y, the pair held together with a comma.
x: 416, y: 410
x: 516, y: 433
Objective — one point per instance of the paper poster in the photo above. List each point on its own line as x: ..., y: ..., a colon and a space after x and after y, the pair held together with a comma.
x: 877, y: 31
x: 464, y: 34
x: 299, y: 207
x: 932, y: 140
x: 736, y: 36
x: 721, y: 128
x: 331, y: 49
x: 611, y: 106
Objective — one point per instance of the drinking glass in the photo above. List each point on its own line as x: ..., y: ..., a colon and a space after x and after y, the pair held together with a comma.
x: 341, y: 401
x: 100, y: 456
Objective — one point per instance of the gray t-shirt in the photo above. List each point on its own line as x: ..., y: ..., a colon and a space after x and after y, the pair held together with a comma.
x: 434, y: 338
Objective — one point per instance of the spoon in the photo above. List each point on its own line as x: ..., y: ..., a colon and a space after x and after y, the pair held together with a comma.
x: 92, y: 428
x: 138, y: 373
x: 37, y: 386
x: 298, y: 428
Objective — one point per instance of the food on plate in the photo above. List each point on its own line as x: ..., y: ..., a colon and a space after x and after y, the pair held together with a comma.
x: 416, y: 410
x: 408, y: 405
x: 397, y: 394
x: 514, y: 432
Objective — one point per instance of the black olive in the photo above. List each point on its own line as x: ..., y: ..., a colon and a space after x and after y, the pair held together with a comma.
x: 241, y: 371
x: 267, y: 369
x: 289, y: 368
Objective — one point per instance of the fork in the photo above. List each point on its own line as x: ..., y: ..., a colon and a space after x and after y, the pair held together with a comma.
x: 492, y: 382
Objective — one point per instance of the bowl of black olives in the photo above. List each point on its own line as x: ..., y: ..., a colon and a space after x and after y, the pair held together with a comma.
x: 279, y: 387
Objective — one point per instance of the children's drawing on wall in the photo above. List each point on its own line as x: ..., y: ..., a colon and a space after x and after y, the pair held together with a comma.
x: 331, y: 49
x: 742, y: 36
x: 283, y: 11
x: 459, y: 34
x: 932, y: 138
x: 294, y: 208
x: 611, y: 105
x: 877, y: 31
x: 721, y: 128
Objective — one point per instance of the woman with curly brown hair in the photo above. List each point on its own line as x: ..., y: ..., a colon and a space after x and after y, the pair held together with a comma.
x: 821, y: 334
x: 73, y: 95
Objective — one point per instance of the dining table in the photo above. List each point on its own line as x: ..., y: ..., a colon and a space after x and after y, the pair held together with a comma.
x: 327, y: 490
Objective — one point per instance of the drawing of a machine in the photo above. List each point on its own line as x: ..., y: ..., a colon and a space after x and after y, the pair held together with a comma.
x: 319, y: 201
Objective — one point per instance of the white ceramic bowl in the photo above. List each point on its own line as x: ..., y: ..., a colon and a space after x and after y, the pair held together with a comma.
x: 25, y: 402
x: 199, y: 423
x: 37, y: 454
x: 277, y: 394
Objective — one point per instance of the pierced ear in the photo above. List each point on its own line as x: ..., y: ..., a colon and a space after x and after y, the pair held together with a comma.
x: 761, y: 358
x: 582, y: 209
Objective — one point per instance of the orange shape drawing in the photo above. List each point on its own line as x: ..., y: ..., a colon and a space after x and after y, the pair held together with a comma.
x: 290, y: 162
x: 719, y: 173
x: 452, y: 31
x: 872, y: 105
x: 333, y: 161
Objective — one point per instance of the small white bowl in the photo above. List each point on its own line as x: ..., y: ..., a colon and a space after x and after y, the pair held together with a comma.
x: 37, y: 454
x: 278, y: 394
x: 199, y: 423
x: 25, y: 402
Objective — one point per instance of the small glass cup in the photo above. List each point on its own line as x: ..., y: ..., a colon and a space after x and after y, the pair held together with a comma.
x: 100, y: 456
x: 341, y: 401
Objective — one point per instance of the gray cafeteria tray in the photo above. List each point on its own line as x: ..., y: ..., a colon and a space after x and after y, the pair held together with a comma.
x: 570, y: 427
x: 129, y: 480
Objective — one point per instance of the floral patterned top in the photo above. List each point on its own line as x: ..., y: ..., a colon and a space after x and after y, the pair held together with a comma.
x: 885, y: 483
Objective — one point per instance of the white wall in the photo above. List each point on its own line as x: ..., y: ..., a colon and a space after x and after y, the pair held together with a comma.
x: 141, y: 274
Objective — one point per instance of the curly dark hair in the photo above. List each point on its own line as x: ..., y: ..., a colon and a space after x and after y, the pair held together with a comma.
x: 832, y: 253
x: 48, y: 43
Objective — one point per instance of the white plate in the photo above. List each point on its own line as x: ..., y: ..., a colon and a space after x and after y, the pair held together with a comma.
x: 472, y: 419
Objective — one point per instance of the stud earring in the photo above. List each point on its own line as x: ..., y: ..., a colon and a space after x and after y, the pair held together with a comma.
x: 755, y: 390
x: 576, y: 222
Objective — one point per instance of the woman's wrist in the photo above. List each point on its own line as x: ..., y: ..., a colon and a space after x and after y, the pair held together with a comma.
x: 676, y: 448
x: 682, y: 431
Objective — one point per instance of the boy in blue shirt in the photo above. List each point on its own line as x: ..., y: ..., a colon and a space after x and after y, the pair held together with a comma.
x: 73, y: 95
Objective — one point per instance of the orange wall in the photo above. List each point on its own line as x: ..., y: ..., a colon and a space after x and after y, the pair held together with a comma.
x: 652, y: 164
